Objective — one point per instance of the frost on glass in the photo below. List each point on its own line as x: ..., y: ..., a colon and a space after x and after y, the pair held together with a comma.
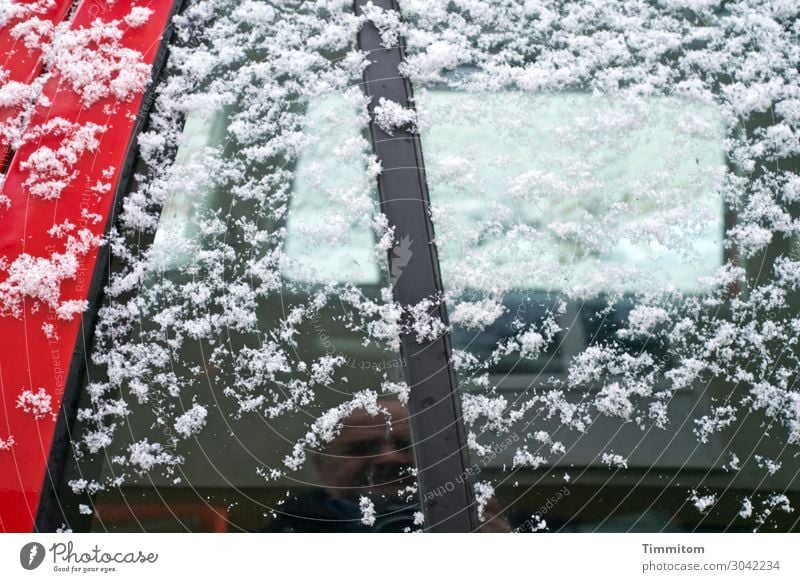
x: 614, y: 191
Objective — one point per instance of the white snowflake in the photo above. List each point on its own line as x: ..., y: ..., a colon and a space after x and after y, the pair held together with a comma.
x: 39, y: 403
x: 367, y: 508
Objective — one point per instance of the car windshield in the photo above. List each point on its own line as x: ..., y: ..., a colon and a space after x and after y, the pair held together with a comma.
x: 613, y: 197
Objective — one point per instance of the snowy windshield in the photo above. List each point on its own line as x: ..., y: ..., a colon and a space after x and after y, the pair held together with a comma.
x: 613, y: 189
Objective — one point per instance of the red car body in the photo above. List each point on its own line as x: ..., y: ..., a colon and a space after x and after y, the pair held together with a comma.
x: 31, y: 360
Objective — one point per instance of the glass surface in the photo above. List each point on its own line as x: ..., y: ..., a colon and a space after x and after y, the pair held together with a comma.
x: 246, y: 374
x: 614, y: 192
x: 580, y: 238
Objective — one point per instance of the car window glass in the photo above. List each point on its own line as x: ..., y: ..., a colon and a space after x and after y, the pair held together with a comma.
x: 245, y: 373
x: 612, y: 217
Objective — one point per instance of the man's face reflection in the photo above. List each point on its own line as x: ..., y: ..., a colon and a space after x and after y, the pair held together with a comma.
x: 372, y: 455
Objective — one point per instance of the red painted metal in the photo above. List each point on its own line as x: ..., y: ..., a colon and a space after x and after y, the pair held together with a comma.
x: 28, y: 359
x: 23, y: 64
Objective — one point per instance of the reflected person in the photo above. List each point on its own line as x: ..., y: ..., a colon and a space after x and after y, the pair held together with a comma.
x: 372, y: 458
